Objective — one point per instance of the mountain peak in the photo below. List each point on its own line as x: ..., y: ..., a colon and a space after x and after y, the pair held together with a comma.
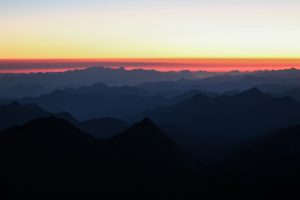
x: 252, y: 92
x: 146, y: 130
x: 147, y: 121
x: 147, y: 124
x: 52, y: 129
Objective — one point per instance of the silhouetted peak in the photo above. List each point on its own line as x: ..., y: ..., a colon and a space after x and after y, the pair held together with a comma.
x: 51, y: 136
x: 147, y: 123
x: 252, y: 92
x: 51, y: 124
x: 54, y: 129
x: 144, y: 131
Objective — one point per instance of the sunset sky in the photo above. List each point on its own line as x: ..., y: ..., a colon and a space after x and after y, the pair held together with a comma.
x: 121, y: 29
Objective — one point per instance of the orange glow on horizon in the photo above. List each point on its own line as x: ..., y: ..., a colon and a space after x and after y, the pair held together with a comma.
x: 160, y: 64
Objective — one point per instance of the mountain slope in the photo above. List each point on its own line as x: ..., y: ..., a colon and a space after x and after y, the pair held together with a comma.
x: 35, y: 156
x: 206, y: 124
x: 275, y: 154
x: 42, y: 134
x: 293, y: 93
x: 267, y: 166
x: 154, y: 147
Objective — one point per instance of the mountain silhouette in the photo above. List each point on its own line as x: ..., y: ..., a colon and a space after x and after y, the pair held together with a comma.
x: 16, y: 114
x: 153, y: 146
x: 50, y: 154
x: 253, y: 92
x: 32, y: 154
x: 42, y: 134
x: 206, y: 124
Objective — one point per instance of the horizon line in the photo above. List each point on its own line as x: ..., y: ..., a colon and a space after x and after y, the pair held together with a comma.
x: 159, y: 64
x: 61, y: 70
x: 161, y: 58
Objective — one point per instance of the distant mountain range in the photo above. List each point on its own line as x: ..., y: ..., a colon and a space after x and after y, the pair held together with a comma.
x: 87, y: 106
x: 150, y: 81
x: 95, y: 75
x: 226, y: 82
x: 100, y: 100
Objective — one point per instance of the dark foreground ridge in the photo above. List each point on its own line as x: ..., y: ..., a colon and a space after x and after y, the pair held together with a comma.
x: 50, y: 154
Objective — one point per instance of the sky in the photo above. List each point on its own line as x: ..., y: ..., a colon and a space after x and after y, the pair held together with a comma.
x: 123, y: 29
